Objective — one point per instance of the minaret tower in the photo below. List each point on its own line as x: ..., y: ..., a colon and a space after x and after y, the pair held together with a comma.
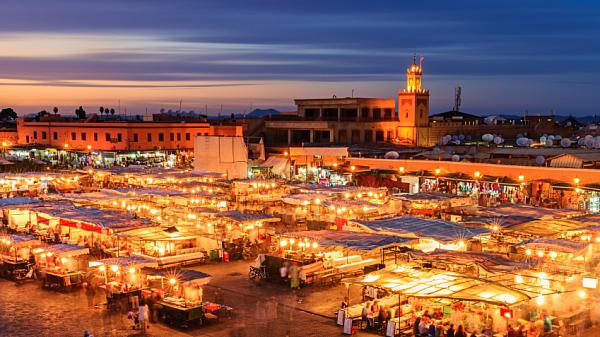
x: 413, y: 107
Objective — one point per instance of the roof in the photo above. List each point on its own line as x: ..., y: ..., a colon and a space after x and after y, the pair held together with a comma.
x: 559, y: 245
x: 66, y: 250
x: 18, y: 201
x: 115, y: 220
x: 348, y: 239
x: 547, y: 228
x: 574, y: 160
x: 186, y: 275
x: 245, y: 217
x: 158, y: 233
x: 501, y: 221
x: 427, y: 196
x: 534, y: 151
x: 126, y: 262
x: 453, y: 114
x: 440, y: 284
x: 530, y: 211
x: 439, y: 230
x: 489, y: 261
x: 20, y: 240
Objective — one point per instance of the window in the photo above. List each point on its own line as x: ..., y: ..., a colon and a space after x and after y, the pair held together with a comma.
x: 34, y: 134
x: 27, y: 139
x: 161, y: 137
x: 149, y: 137
x: 73, y: 135
x: 55, y: 135
x: 172, y: 136
x: 43, y: 134
x: 135, y: 137
x: 107, y: 137
x: 206, y: 133
x: 198, y: 134
x: 178, y: 136
x: 83, y: 136
x: 187, y: 136
x: 119, y: 137
x: 95, y: 136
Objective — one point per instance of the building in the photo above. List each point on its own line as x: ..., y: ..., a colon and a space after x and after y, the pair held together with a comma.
x: 226, y: 155
x: 93, y: 134
x: 356, y: 120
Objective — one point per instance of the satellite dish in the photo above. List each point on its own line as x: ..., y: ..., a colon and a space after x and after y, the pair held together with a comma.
x: 455, y: 157
x: 565, y: 142
x: 540, y: 160
x: 391, y: 155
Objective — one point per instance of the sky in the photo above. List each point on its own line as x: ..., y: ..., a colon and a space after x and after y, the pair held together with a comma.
x: 508, y: 56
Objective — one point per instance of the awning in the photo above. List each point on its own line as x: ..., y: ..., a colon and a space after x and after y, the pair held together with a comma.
x: 126, y: 262
x: 348, y: 239
x: 66, y: 250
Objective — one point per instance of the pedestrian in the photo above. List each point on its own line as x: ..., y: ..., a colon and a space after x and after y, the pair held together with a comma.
x: 219, y: 296
x: 345, y: 303
x: 90, y: 293
x: 450, y: 332
x: 143, y: 316
x: 295, y: 276
x: 416, y: 326
x: 460, y: 332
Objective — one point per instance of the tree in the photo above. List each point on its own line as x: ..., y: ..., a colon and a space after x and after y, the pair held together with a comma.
x: 55, y: 110
x: 80, y: 112
x: 42, y: 114
x: 112, y: 111
x: 101, y: 110
x: 7, y: 114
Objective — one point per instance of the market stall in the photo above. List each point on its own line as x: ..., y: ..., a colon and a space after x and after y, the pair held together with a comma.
x: 123, y: 280
x: 429, y: 203
x: 182, y: 301
x: 16, y: 254
x: 61, y: 266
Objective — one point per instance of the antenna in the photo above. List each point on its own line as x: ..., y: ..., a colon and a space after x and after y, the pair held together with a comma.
x: 457, y: 99
x: 352, y: 93
x: 421, y: 58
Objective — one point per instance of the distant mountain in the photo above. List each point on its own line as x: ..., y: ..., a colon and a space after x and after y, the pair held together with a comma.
x: 259, y: 113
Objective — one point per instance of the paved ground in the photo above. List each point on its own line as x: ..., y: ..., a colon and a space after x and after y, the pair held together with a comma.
x: 27, y: 310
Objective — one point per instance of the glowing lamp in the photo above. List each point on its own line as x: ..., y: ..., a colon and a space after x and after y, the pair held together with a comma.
x: 521, y: 178
x: 590, y: 283
x: 131, y: 270
x: 401, y: 169
x: 582, y: 294
x: 317, y: 201
x: 540, y: 253
x: 576, y: 180
x: 437, y: 171
x: 477, y: 174
x: 172, y: 281
x: 518, y: 279
x: 315, y: 245
x: 102, y: 268
x: 539, y: 300
x: 114, y: 268
x: 63, y: 260
x: 528, y: 251
x: 506, y: 312
x: 352, y: 167
x: 283, y: 243
x: 553, y: 255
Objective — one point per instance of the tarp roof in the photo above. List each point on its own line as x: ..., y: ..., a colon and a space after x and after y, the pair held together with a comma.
x: 18, y: 201
x: 245, y: 217
x: 546, y: 228
x: 186, y: 275
x: 429, y: 196
x: 501, y: 221
x: 439, y: 284
x: 531, y: 211
x: 157, y: 233
x: 127, y: 262
x: 115, y: 220
x: 66, y: 250
x: 21, y: 240
x: 348, y: 239
x: 559, y: 245
x: 439, y: 230
x: 491, y: 262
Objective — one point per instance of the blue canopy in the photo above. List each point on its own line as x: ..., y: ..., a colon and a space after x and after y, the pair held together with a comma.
x: 353, y: 240
x: 439, y: 230
x: 66, y: 249
x: 18, y: 201
x: 489, y: 261
x: 246, y: 217
x: 186, y: 275
x: 559, y: 245
x: 128, y: 261
x: 501, y: 221
x: 101, y: 217
x: 21, y: 240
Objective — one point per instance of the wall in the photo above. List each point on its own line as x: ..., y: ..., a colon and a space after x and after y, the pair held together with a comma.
x: 530, y: 173
x: 227, y: 155
x: 183, y: 135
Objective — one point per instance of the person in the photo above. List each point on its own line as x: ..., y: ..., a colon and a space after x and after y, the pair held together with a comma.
x: 431, y: 328
x: 219, y: 296
x: 416, y: 326
x: 345, y: 302
x: 143, y: 316
x: 450, y: 331
x: 370, y: 317
x: 365, y: 313
x: 90, y: 293
x: 295, y: 276
x: 547, y: 324
x: 460, y: 332
x: 511, y: 331
x: 424, y: 327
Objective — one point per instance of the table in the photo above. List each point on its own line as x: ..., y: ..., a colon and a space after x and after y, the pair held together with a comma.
x: 9, y: 266
x: 62, y: 281
x: 120, y: 300
x: 174, y: 314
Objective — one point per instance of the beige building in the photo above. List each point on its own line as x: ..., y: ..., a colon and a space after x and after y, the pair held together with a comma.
x: 357, y: 120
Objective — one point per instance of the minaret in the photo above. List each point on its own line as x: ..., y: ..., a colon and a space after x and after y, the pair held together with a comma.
x: 413, y: 106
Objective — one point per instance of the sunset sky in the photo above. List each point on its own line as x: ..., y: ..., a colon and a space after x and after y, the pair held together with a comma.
x: 509, y: 56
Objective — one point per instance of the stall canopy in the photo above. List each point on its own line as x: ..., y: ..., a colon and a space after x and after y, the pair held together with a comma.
x: 588, y: 219
x: 531, y: 211
x: 547, y: 228
x: 440, y: 284
x: 19, y: 240
x: 66, y: 250
x: 493, y: 263
x: 76, y: 216
x: 126, y: 262
x: 439, y: 230
x: 352, y: 240
x: 186, y: 276
x: 559, y: 245
x: 500, y: 221
x: 157, y: 233
x: 245, y: 217
x: 7, y: 202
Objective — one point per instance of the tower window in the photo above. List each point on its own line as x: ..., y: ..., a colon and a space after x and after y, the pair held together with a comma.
x: 407, y: 115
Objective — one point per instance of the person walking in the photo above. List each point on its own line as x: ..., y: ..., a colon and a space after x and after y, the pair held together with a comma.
x: 143, y: 316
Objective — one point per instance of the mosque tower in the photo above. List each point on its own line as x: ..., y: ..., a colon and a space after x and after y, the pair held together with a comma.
x: 413, y: 107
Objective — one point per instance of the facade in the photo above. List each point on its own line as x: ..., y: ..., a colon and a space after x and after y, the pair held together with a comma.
x: 356, y: 120
x: 93, y: 135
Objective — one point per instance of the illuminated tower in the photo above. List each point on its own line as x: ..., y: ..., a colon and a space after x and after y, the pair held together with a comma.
x: 413, y: 107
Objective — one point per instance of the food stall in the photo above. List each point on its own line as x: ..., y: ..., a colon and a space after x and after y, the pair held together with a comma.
x: 429, y: 203
x: 61, y: 266
x: 182, y: 300
x: 169, y: 246
x: 123, y: 280
x: 16, y: 253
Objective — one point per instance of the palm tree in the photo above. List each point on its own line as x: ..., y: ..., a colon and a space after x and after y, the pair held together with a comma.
x: 101, y: 110
x: 112, y: 111
x: 55, y: 110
